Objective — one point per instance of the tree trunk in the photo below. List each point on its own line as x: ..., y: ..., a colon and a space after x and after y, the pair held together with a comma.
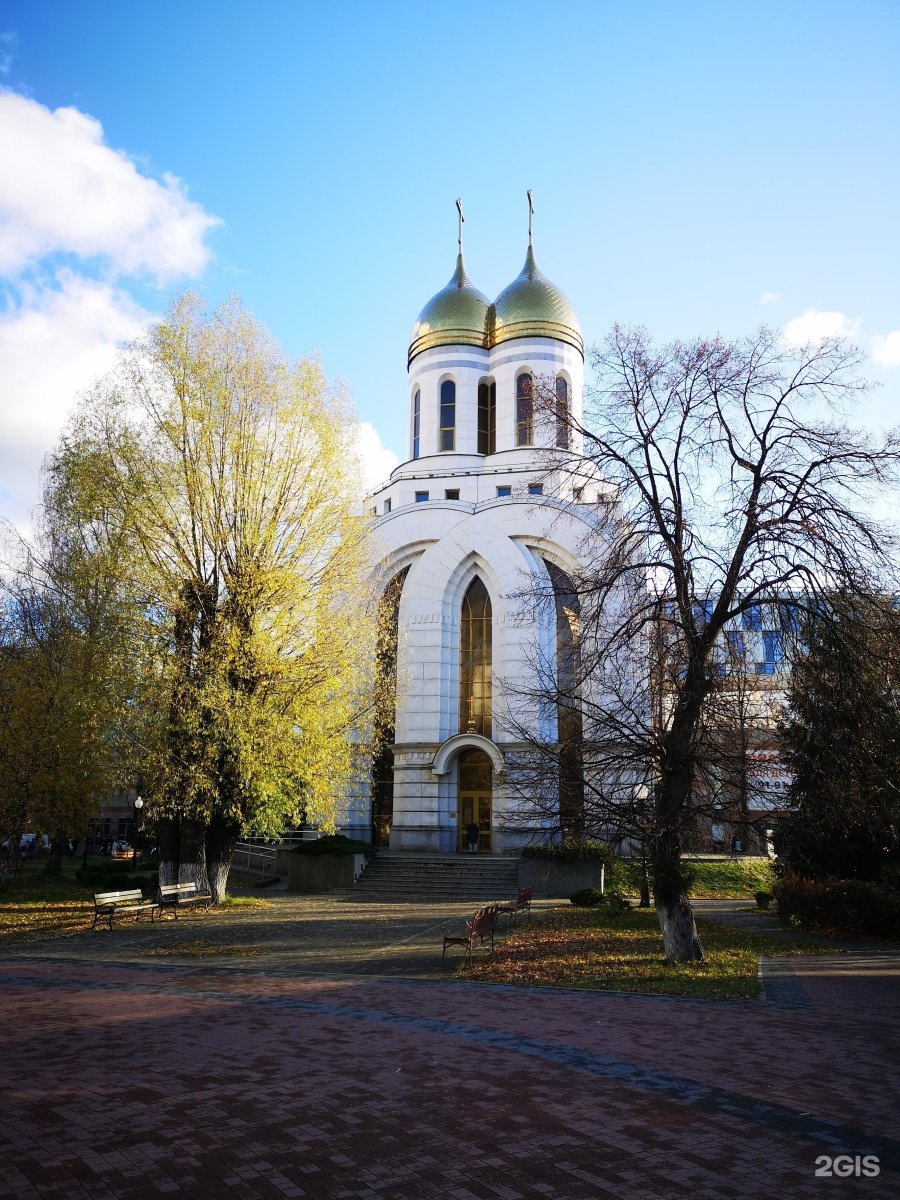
x: 679, y: 931
x: 672, y: 800
x: 168, y: 841
x: 220, y: 840
x: 192, y: 864
x: 645, y: 883
x: 58, y: 846
x: 673, y: 908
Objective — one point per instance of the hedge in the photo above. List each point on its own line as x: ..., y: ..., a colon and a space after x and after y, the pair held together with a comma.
x: 335, y: 843
x: 117, y: 882
x: 575, y: 850
x: 845, y: 907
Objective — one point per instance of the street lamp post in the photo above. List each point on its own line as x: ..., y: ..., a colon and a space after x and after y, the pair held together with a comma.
x: 138, y: 805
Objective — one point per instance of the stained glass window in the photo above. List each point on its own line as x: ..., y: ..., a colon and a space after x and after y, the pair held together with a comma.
x: 475, y: 647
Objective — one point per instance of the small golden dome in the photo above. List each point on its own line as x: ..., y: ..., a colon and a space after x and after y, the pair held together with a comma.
x: 534, y: 307
x: 456, y: 316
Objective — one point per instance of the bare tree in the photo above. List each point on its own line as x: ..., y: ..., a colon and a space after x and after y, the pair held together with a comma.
x: 740, y: 491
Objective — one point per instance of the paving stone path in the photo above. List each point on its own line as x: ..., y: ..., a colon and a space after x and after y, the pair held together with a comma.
x: 320, y: 1051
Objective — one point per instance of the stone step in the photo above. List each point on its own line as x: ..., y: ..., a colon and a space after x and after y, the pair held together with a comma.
x: 438, y: 878
x: 443, y: 869
x: 373, y: 872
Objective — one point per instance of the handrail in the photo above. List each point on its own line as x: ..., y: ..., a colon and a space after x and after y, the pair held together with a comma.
x: 264, y: 857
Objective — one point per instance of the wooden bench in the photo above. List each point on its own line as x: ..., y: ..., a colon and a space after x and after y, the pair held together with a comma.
x: 180, y: 895
x: 480, y: 926
x: 114, y: 904
x: 520, y: 903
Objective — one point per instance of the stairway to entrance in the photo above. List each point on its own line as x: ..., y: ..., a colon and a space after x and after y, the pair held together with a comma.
x: 434, y: 878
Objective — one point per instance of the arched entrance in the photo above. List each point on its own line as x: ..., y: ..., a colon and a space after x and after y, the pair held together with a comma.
x: 475, y: 800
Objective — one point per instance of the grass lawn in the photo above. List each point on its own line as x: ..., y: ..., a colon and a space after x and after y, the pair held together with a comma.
x: 577, y: 948
x: 713, y: 879
x: 34, y: 907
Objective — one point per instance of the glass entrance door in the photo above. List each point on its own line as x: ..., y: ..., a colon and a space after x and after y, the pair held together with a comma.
x: 475, y: 807
x: 475, y: 792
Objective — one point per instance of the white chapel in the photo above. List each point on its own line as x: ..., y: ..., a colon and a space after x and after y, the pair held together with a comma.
x: 493, y: 500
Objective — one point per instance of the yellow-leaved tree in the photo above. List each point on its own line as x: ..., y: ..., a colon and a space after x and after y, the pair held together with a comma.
x: 230, y: 478
x: 63, y: 671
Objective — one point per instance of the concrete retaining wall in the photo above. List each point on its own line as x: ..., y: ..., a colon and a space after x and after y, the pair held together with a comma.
x: 323, y: 872
x: 559, y: 881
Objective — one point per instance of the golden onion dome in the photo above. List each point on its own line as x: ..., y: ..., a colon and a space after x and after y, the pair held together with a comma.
x: 456, y: 316
x: 534, y: 307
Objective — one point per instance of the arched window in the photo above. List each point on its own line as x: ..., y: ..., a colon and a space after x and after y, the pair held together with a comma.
x: 562, y: 413
x: 568, y: 702
x: 386, y: 637
x: 448, y: 415
x: 417, y: 417
x: 524, y: 410
x: 475, y: 644
x: 487, y: 418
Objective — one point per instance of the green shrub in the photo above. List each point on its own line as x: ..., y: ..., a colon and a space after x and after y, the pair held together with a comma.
x: 109, y: 876
x: 612, y: 903
x: 763, y: 899
x: 116, y: 866
x: 335, y: 843
x: 845, y: 907
x: 575, y: 850
x: 117, y: 882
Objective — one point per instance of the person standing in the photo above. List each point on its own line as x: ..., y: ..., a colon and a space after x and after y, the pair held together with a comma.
x: 472, y: 837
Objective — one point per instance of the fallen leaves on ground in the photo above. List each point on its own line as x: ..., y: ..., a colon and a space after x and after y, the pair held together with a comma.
x: 578, y: 948
x: 198, y: 948
x: 35, y: 906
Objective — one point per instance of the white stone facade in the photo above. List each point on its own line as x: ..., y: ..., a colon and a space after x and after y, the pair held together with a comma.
x: 508, y: 513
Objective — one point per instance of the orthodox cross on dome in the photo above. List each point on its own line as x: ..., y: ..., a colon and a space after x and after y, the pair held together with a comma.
x: 461, y: 219
x: 530, y: 213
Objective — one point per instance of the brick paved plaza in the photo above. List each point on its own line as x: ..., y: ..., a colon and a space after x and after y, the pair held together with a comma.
x: 337, y: 1061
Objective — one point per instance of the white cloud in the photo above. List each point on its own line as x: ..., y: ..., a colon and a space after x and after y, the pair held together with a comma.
x: 886, y: 350
x: 53, y: 346
x: 813, y: 326
x: 70, y: 193
x: 769, y: 297
x: 377, y: 461
x: 67, y: 196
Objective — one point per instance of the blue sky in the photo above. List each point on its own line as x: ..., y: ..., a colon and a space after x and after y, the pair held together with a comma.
x: 696, y: 168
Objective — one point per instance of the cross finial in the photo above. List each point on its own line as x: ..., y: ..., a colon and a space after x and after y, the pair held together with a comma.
x: 530, y: 213
x: 461, y: 219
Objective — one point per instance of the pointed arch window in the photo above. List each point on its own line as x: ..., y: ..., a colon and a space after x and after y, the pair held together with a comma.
x: 487, y: 417
x: 562, y: 413
x: 417, y: 420
x: 448, y: 415
x: 475, y: 660
x: 524, y: 410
